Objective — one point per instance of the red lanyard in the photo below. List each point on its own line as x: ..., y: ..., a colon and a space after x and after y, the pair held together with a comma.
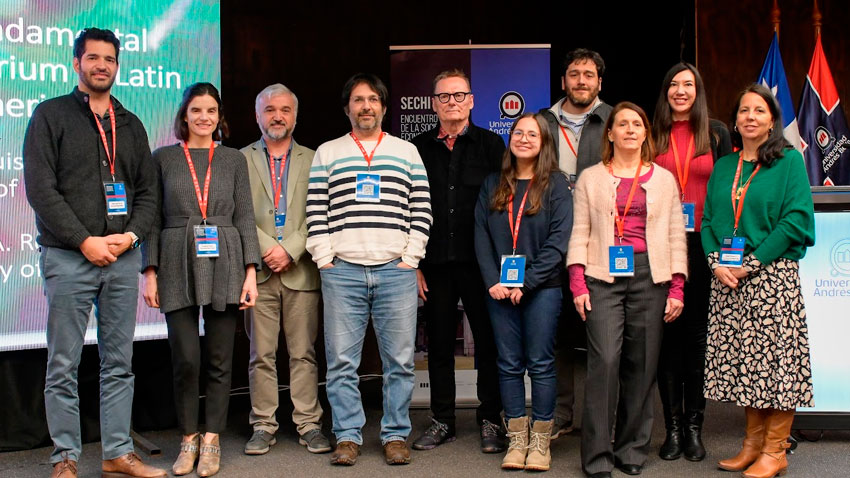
x: 739, y: 193
x: 203, y: 201
x: 569, y: 143
x: 621, y: 222
x: 515, y: 229
x: 103, y: 137
x: 276, y: 182
x: 363, y: 150
x: 683, y: 178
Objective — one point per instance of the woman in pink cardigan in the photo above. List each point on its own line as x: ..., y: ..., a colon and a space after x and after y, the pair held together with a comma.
x: 627, y: 260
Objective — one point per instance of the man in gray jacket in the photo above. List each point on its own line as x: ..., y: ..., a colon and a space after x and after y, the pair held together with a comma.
x: 577, y: 122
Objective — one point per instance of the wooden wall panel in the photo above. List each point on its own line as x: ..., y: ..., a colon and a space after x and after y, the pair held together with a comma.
x: 734, y: 36
x: 314, y: 47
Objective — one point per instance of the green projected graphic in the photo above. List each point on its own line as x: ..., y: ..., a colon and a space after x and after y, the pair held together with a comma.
x: 166, y: 45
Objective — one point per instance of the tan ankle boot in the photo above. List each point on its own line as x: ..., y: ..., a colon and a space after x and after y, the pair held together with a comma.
x: 210, y: 458
x: 539, y: 458
x: 753, y: 442
x: 518, y: 447
x: 773, y: 461
x: 185, y: 462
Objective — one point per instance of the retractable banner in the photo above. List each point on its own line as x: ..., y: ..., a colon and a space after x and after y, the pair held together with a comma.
x: 506, y: 81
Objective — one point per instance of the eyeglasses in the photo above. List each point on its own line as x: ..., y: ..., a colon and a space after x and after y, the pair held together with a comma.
x: 459, y: 96
x: 531, y: 135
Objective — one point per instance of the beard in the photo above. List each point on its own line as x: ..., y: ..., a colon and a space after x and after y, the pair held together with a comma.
x: 277, y: 135
x: 98, y: 87
x: 582, y: 102
x: 367, y: 123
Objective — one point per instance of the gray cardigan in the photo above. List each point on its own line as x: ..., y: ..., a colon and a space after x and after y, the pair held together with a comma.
x: 185, y: 280
x: 65, y: 167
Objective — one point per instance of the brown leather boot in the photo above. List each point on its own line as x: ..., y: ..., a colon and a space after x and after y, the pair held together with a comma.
x: 772, y: 461
x: 346, y: 453
x: 539, y: 458
x: 396, y: 452
x: 518, y: 447
x: 753, y: 442
x: 129, y: 466
x: 185, y: 462
x: 65, y: 468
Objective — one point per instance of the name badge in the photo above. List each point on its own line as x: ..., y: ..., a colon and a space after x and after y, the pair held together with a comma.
x: 206, y: 241
x: 621, y: 261
x: 689, y: 213
x: 732, y: 251
x: 116, y: 199
x: 368, y: 187
x: 513, y: 271
x: 279, y: 221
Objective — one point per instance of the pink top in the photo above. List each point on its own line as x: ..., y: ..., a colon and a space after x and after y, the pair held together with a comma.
x: 634, y: 232
x: 700, y: 171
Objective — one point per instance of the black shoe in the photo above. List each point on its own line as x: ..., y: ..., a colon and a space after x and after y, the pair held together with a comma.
x: 437, y: 434
x: 693, y: 447
x: 561, y: 427
x: 492, y: 437
x: 601, y: 474
x: 629, y: 469
x: 672, y: 447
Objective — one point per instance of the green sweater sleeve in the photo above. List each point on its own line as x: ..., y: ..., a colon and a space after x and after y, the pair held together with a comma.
x: 795, y: 229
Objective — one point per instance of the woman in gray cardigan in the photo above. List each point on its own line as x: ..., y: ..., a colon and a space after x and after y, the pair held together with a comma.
x: 201, y: 254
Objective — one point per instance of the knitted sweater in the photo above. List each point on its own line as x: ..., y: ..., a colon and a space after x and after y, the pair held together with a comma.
x: 65, y: 167
x: 778, y: 217
x: 593, y: 222
x: 542, y: 236
x: 185, y: 280
x: 368, y: 233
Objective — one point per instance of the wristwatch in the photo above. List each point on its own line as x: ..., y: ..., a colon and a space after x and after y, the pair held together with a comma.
x: 135, y: 239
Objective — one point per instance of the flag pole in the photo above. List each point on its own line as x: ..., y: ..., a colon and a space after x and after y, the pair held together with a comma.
x: 774, y: 17
x: 816, y: 19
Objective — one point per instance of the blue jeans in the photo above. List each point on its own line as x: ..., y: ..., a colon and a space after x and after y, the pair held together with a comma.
x: 73, y: 285
x: 352, y: 293
x: 525, y: 339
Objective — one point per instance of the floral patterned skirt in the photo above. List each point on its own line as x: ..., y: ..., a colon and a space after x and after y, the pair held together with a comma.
x: 757, y: 350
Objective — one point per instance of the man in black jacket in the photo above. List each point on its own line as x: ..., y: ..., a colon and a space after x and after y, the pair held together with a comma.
x: 577, y: 122
x: 458, y: 156
x: 92, y: 185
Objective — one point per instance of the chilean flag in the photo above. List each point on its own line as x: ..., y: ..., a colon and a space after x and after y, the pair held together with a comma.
x: 773, y: 77
x: 823, y: 129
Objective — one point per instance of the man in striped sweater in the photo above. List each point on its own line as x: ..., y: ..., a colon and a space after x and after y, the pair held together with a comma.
x: 368, y: 217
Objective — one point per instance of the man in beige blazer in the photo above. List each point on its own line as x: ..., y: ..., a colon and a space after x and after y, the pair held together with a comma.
x: 288, y: 283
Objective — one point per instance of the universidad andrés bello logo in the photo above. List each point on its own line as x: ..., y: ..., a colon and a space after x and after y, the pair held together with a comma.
x: 511, y: 105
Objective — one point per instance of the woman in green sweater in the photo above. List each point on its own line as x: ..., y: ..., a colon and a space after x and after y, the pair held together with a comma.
x: 757, y: 223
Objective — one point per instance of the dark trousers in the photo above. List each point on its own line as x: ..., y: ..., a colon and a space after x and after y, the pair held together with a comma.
x: 446, y: 284
x: 623, y: 342
x: 217, y: 361
x: 681, y: 369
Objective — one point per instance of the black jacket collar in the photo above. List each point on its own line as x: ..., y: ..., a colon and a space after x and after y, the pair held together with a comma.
x: 472, y: 132
x: 83, y: 99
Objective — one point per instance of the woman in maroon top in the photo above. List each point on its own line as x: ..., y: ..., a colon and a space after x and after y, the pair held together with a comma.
x: 688, y: 143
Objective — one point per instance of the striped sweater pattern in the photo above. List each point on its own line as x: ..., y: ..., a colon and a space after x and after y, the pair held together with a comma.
x: 368, y: 233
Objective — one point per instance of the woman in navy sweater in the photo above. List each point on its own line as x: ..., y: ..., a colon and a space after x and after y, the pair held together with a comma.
x: 523, y: 221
